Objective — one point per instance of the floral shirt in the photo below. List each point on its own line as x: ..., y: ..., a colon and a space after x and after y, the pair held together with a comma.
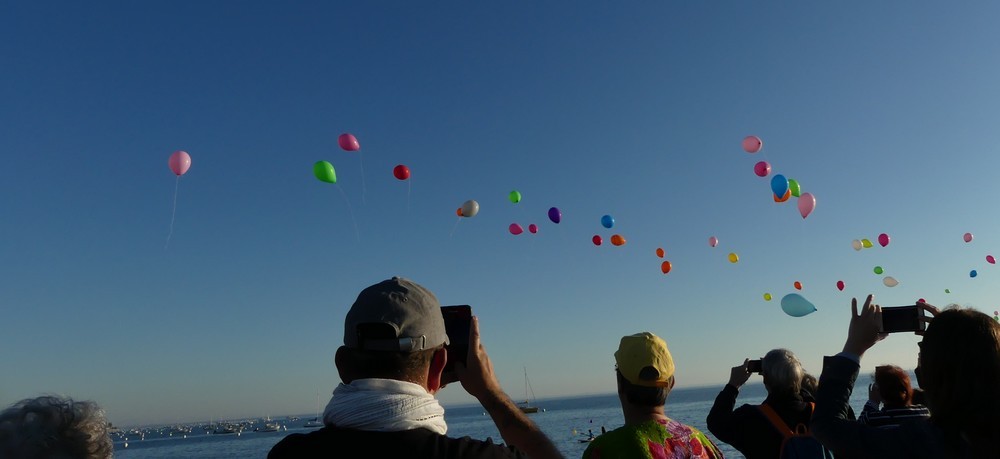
x: 658, y: 439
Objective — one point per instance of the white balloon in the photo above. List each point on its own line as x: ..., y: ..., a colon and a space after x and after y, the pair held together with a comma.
x: 856, y: 244
x: 470, y: 208
x: 890, y: 281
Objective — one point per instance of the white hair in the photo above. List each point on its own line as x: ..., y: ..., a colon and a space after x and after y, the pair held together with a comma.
x: 54, y: 427
x: 782, y: 371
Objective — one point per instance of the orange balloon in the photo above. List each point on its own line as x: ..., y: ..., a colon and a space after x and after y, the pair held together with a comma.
x: 458, y: 211
x: 783, y: 198
x: 665, y: 267
x: 617, y: 240
x: 798, y: 285
x: 659, y: 253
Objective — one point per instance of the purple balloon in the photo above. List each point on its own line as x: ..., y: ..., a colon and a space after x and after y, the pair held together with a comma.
x: 555, y: 215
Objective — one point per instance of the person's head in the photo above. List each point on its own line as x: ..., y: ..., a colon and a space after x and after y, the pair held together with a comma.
x: 809, y: 384
x: 394, y: 330
x: 782, y: 372
x: 959, y: 364
x: 893, y: 386
x: 645, y: 369
x: 55, y: 427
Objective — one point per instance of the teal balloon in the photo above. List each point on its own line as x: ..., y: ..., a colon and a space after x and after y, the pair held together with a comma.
x: 796, y: 305
x: 323, y: 170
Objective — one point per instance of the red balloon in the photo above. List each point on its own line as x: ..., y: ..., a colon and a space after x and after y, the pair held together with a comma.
x: 665, y: 267
x: 597, y: 240
x: 660, y: 252
x: 840, y: 285
x: 883, y: 239
x: 991, y: 260
x: 798, y: 285
x: 401, y: 172
x: 532, y: 228
x: 762, y: 169
x: 348, y: 142
x: 515, y: 229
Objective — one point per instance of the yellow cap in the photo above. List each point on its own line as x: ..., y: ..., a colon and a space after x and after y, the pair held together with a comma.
x: 641, y: 350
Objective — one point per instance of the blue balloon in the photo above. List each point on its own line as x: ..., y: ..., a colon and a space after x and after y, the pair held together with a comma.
x: 555, y: 215
x: 779, y: 185
x: 796, y: 306
x: 973, y: 273
x: 607, y: 221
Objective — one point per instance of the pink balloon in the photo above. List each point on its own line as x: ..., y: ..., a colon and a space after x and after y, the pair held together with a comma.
x: 532, y: 228
x: 762, y: 169
x: 348, y: 142
x: 807, y: 202
x: 967, y: 237
x: 515, y: 229
x: 752, y: 144
x: 840, y: 285
x: 991, y: 260
x: 713, y: 241
x: 883, y: 239
x: 179, y: 162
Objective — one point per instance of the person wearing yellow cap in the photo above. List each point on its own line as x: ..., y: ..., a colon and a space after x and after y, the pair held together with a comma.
x: 645, y: 373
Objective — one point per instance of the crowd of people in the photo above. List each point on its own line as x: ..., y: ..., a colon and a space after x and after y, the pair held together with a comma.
x: 396, y: 349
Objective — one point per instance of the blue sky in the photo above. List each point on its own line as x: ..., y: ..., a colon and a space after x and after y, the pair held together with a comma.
x: 886, y: 112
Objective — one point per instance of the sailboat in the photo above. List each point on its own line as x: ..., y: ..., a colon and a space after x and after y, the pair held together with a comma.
x: 316, y: 421
x: 526, y: 406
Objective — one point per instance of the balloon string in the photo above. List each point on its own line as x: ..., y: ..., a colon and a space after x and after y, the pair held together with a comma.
x: 457, y: 220
x: 408, y: 187
x: 173, y: 213
x: 363, y: 190
x: 351, y: 211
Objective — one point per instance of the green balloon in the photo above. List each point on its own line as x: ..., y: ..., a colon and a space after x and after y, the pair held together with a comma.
x: 323, y: 170
x: 794, y: 187
x: 878, y: 270
x: 515, y: 196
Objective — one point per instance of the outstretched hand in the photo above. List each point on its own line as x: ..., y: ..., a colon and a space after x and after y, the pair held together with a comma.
x: 739, y: 375
x: 863, y: 332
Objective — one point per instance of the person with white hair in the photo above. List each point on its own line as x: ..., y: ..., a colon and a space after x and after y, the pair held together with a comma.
x: 54, y: 427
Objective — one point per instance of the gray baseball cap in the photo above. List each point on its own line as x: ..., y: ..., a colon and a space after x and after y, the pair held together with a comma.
x: 399, y: 314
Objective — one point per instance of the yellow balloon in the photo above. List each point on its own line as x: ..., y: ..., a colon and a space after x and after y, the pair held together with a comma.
x: 767, y: 297
x: 733, y: 257
x: 866, y: 243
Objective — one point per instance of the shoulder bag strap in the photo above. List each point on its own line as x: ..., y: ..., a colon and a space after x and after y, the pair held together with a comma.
x: 775, y: 420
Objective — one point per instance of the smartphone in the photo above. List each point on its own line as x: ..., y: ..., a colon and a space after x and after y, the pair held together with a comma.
x: 901, y: 319
x: 753, y: 366
x: 457, y: 324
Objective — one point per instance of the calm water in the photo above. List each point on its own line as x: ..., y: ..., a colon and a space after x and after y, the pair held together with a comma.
x: 566, y: 421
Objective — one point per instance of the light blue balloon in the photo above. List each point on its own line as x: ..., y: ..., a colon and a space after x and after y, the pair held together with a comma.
x: 796, y: 306
x: 779, y: 185
x: 607, y: 221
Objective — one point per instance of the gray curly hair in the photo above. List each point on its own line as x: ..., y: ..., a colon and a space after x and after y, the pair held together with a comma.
x: 51, y: 426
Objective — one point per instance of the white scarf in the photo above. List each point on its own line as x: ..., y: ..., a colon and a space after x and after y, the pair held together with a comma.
x: 384, y: 405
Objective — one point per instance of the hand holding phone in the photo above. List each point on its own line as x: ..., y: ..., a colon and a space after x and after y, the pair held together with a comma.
x: 458, y: 325
x: 902, y: 319
x: 754, y: 366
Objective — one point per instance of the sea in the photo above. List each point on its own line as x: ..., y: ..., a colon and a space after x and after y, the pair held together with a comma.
x: 567, y: 421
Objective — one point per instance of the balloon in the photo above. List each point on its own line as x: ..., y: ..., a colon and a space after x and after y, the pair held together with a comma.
x: 883, y: 239
x: 179, y: 162
x: 533, y: 228
x: 323, y: 170
x: 967, y: 237
x: 752, y: 144
x: 401, y: 172
x: 784, y: 197
x: 856, y: 244
x: 555, y: 215
x: 713, y: 241
x: 659, y: 252
x: 796, y: 306
x: 794, y: 187
x: 617, y: 239
x: 515, y: 229
x: 779, y: 185
x: 514, y: 196
x: 470, y: 208
x: 921, y: 300
x: 996, y: 313
x: 767, y: 297
x: 348, y: 142
x: 607, y: 221
x: 733, y: 257
x: 597, y: 240
x: 890, y: 281
x: 806, y: 204
x: 878, y: 270
x: 762, y: 169
x: 866, y: 243
x: 798, y: 285
x: 458, y: 211
x: 665, y: 267
x: 947, y: 291
x: 991, y: 260
x: 973, y: 273
x: 840, y: 285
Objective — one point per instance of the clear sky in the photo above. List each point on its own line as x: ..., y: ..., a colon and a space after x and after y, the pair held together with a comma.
x: 887, y: 112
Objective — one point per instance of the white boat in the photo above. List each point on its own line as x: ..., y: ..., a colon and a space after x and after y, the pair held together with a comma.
x: 527, y: 406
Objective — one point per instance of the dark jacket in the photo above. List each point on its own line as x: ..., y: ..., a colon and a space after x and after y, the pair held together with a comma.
x: 332, y: 442
x: 747, y: 429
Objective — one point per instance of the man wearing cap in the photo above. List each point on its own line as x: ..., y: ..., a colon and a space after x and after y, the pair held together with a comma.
x: 391, y: 366
x: 645, y: 372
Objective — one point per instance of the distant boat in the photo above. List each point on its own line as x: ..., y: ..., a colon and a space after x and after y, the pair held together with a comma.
x: 224, y: 429
x: 527, y: 406
x: 316, y: 421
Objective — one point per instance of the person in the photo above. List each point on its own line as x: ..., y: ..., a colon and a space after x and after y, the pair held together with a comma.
x: 958, y: 367
x: 890, y: 399
x: 645, y: 376
x: 52, y: 426
x: 809, y: 383
x: 747, y: 428
x: 391, y: 367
